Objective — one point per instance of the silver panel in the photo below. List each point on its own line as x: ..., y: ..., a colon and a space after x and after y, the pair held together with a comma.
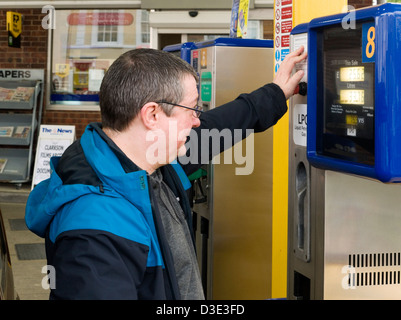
x: 302, y: 256
x: 241, y: 225
x: 238, y: 208
x: 362, y: 238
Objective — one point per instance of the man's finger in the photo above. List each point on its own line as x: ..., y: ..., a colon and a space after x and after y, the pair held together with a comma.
x: 295, y: 52
x: 293, y: 59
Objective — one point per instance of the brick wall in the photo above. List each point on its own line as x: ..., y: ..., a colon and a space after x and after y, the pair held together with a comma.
x: 33, y: 51
x: 33, y: 54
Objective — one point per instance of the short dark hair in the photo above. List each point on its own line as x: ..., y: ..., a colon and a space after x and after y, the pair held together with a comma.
x: 137, y: 77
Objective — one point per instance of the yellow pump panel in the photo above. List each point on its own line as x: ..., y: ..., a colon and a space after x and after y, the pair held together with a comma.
x: 302, y: 11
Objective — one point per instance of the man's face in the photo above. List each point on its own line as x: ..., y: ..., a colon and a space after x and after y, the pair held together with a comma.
x: 178, y: 126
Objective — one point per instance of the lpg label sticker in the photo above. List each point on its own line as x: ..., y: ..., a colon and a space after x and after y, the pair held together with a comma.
x: 299, y: 124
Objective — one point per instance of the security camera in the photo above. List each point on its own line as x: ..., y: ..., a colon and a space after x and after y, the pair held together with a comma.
x: 193, y: 13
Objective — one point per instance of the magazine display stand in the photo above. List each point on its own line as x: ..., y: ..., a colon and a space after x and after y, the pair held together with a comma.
x: 21, y: 104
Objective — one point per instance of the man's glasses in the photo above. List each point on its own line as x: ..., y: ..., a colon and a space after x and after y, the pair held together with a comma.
x: 197, y: 111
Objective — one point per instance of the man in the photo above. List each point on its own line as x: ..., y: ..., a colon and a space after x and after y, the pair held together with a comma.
x: 114, y: 212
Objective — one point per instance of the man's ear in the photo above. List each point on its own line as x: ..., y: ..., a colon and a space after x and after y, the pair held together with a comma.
x: 150, y: 114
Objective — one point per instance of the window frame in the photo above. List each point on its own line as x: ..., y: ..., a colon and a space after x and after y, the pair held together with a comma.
x: 70, y: 105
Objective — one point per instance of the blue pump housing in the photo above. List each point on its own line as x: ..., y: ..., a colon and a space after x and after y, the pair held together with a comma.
x: 384, y: 40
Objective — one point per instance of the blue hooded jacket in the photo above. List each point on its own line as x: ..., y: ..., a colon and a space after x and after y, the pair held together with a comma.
x: 104, y: 234
x: 115, y: 211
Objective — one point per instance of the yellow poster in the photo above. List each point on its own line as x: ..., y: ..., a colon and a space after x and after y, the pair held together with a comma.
x: 243, y: 10
x: 62, y: 70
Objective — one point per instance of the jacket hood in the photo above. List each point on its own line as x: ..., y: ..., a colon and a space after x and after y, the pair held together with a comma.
x: 50, y: 195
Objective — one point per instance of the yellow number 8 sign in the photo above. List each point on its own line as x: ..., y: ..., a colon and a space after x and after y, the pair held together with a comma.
x: 368, y: 42
x: 370, y: 47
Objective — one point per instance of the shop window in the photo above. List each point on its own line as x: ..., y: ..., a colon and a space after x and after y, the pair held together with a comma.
x: 84, y: 44
x: 108, y: 31
x: 107, y: 34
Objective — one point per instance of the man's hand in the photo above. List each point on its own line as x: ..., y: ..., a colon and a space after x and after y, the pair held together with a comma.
x: 283, y: 77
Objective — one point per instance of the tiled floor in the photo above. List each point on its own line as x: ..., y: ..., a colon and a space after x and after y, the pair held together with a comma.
x: 26, y: 249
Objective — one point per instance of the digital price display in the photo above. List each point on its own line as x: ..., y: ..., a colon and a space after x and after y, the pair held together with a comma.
x: 348, y: 97
x: 352, y: 96
x: 352, y: 74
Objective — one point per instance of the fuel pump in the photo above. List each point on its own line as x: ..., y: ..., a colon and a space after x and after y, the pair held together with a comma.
x: 344, y: 213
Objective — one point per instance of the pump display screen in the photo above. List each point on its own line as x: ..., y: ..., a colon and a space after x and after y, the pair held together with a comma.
x: 346, y: 90
x: 352, y: 74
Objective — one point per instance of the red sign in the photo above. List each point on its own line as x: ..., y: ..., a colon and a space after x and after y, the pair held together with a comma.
x: 285, y: 41
x: 286, y: 13
x: 286, y: 2
x: 100, y: 18
x: 286, y: 26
